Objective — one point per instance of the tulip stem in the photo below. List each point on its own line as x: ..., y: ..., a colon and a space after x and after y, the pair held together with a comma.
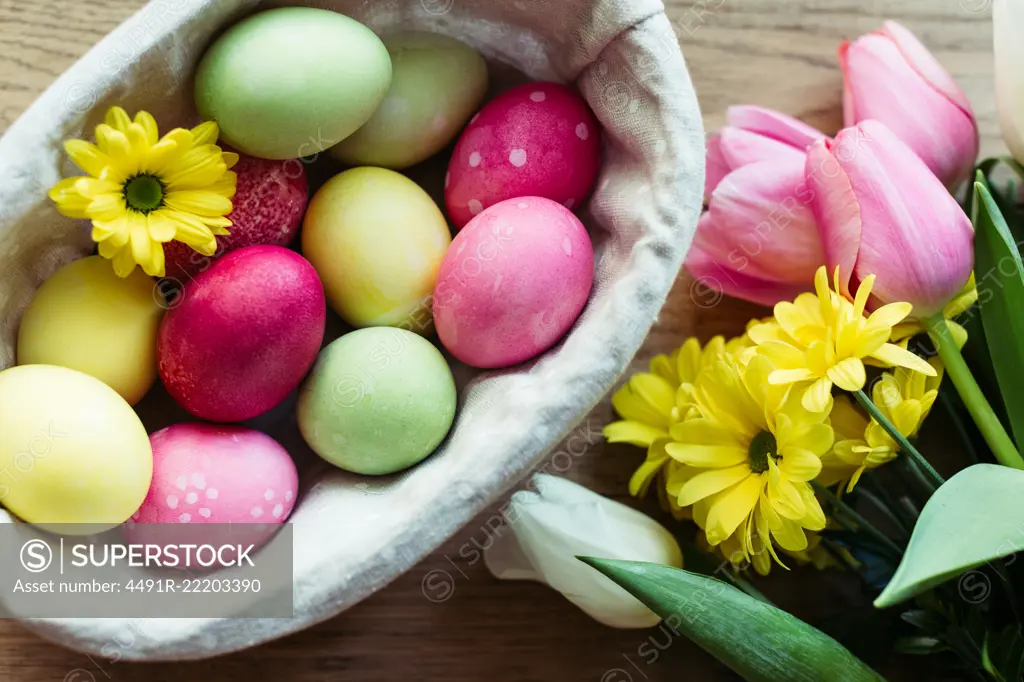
x: 932, y: 477
x: 988, y: 423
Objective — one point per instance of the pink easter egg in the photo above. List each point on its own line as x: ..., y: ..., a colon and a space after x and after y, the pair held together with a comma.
x: 539, y: 139
x: 513, y: 282
x: 270, y: 199
x: 243, y: 334
x: 220, y: 474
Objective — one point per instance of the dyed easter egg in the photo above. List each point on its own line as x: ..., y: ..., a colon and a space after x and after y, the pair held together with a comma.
x: 270, y: 198
x: 513, y: 282
x: 377, y: 401
x: 437, y: 83
x: 292, y: 81
x: 71, y: 449
x: 539, y: 139
x: 376, y: 239
x: 85, y: 317
x: 215, y: 473
x: 243, y: 335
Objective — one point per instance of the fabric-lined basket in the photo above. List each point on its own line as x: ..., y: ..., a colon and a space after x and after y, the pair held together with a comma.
x: 623, y: 57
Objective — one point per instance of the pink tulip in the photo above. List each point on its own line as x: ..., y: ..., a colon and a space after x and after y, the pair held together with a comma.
x: 754, y: 134
x: 881, y: 211
x: 758, y: 240
x: 891, y: 77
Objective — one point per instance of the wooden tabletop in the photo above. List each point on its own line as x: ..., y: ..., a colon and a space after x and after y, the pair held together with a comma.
x: 448, y: 619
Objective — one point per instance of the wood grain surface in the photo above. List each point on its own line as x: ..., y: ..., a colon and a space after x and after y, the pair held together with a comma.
x: 448, y: 619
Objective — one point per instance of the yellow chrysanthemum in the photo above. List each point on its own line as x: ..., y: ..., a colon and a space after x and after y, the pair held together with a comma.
x: 822, y: 339
x: 904, y: 398
x: 142, y: 190
x: 755, y: 447
x: 651, y: 402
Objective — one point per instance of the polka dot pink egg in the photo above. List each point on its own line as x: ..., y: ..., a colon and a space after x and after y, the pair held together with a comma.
x: 209, y: 473
x: 539, y: 139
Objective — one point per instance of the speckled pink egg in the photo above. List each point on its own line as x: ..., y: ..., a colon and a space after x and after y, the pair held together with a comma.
x: 513, y: 282
x: 270, y: 199
x: 243, y: 334
x: 539, y: 139
x: 218, y: 473
x: 215, y: 474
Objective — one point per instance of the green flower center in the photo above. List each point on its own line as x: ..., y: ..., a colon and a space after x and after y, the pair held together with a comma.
x: 144, y: 193
x: 761, y: 447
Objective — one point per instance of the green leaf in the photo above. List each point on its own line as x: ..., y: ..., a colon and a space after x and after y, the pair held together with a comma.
x: 987, y: 664
x: 1000, y: 278
x: 974, y: 518
x: 758, y: 641
x: 919, y: 646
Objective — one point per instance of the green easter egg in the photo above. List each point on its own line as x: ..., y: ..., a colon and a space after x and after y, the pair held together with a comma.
x: 438, y: 83
x: 377, y: 401
x: 292, y: 81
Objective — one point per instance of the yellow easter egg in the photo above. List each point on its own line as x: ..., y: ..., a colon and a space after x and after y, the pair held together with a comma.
x: 85, y: 317
x: 72, y: 451
x: 376, y: 240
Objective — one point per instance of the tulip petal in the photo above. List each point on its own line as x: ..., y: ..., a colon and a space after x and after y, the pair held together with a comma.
x: 760, y: 223
x: 849, y: 111
x: 910, y: 231
x: 547, y: 530
x: 836, y: 211
x: 711, y: 275
x: 773, y: 124
x: 741, y: 147
x: 885, y: 86
x: 922, y: 61
x: 715, y: 167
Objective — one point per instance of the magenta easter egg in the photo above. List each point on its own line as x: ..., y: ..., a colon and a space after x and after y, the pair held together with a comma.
x: 513, y: 282
x: 539, y: 139
x: 213, y: 473
x: 243, y: 334
x: 270, y: 199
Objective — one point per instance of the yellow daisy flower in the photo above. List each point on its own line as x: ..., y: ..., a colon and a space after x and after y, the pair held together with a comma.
x: 904, y: 398
x: 141, y: 190
x: 651, y: 402
x: 822, y: 339
x: 755, y: 448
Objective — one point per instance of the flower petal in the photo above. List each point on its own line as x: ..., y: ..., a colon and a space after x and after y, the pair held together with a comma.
x: 900, y: 357
x: 773, y: 124
x: 712, y: 276
x: 756, y: 225
x: 706, y: 456
x: 87, y: 156
x: 161, y: 228
x: 783, y: 495
x: 848, y: 374
x: 817, y: 397
x: 708, y: 483
x: 730, y: 507
x: 634, y: 433
x: 199, y: 202
x: 205, y: 133
x: 798, y: 464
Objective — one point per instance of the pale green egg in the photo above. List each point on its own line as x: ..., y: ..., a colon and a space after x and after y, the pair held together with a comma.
x: 437, y: 84
x: 378, y: 400
x: 292, y: 81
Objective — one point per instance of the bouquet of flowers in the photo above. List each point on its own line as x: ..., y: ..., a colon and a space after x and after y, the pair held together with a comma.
x: 873, y: 423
